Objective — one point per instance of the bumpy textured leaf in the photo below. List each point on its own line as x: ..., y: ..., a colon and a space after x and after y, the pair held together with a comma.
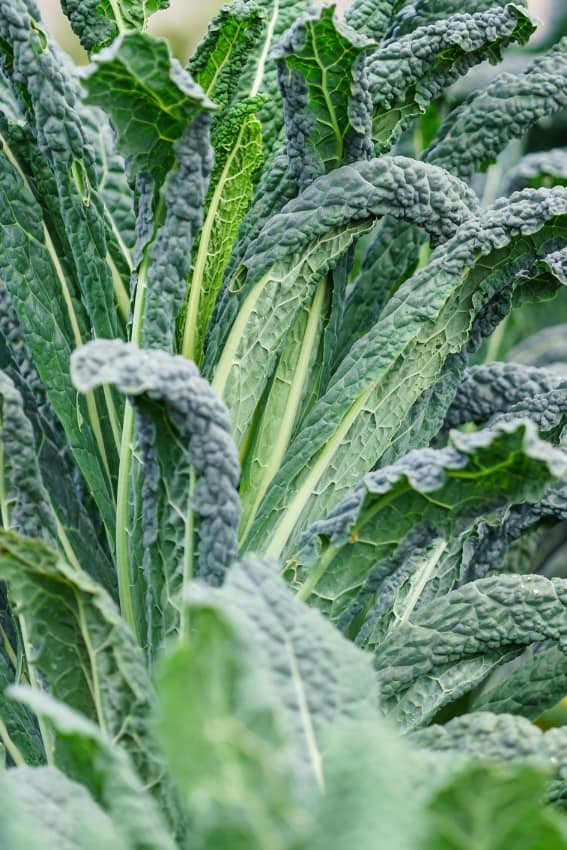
x: 390, y: 257
x: 237, y: 141
x: 261, y: 74
x: 428, y: 319
x: 50, y: 96
x: 221, y: 737
x: 475, y: 132
x: 297, y: 247
x: 512, y: 389
x: 165, y: 139
x: 54, y: 322
x: 113, y: 186
x: 87, y: 756
x: 494, y: 808
x: 79, y: 524
x: 24, y: 503
x: 442, y: 490
x: 217, y: 63
x: 372, y: 16
x: 419, y: 13
x: 19, y: 723
x: 315, y: 675
x: 421, y: 703
x: 49, y: 812
x: 274, y: 189
x: 98, y: 22
x: 395, y: 249
x: 502, y: 738
x: 140, y: 69
x: 165, y: 281
x: 405, y: 75
x: 493, y: 613
x: 322, y: 75
x: 82, y: 647
x: 190, y: 503
x: 484, y: 551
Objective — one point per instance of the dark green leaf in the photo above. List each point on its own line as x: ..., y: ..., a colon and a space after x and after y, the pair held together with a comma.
x: 322, y: 75
x: 98, y: 22
x: 81, y: 646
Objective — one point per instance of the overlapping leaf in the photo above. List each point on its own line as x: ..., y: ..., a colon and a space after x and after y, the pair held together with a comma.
x: 441, y: 491
x: 219, y: 722
x: 503, y: 738
x: 323, y: 78
x: 69, y: 500
x: 82, y: 647
x: 297, y: 247
x: 98, y: 22
x: 190, y: 510
x: 87, y: 756
x: 406, y: 74
x: 429, y: 319
x: 315, y: 675
x: 474, y: 134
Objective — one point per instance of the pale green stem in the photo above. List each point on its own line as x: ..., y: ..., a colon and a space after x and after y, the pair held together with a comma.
x: 122, y: 520
x: 191, y: 330
x: 4, y: 511
x: 230, y: 349
x: 11, y: 748
x: 317, y: 574
x: 66, y: 543
x: 8, y: 648
x: 423, y: 576
x: 491, y: 185
x: 278, y: 450
x: 495, y: 341
x: 283, y: 530
x: 120, y: 22
x: 120, y: 291
x: 424, y: 255
x: 257, y: 84
x: 113, y: 418
x: 125, y: 468
x: 95, y: 684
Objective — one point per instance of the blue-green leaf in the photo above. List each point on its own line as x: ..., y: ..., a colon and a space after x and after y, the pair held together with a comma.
x: 190, y: 510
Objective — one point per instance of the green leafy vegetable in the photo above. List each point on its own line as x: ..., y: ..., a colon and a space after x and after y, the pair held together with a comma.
x: 441, y: 491
x: 190, y: 509
x: 83, y: 648
x: 225, y: 737
x: 406, y: 74
x: 98, y: 23
x: 281, y: 605
x: 323, y: 79
x: 339, y: 439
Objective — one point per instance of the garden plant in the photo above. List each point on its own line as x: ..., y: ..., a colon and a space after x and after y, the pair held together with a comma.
x: 280, y: 509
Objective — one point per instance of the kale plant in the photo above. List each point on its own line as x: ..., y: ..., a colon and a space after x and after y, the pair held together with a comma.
x: 274, y: 518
